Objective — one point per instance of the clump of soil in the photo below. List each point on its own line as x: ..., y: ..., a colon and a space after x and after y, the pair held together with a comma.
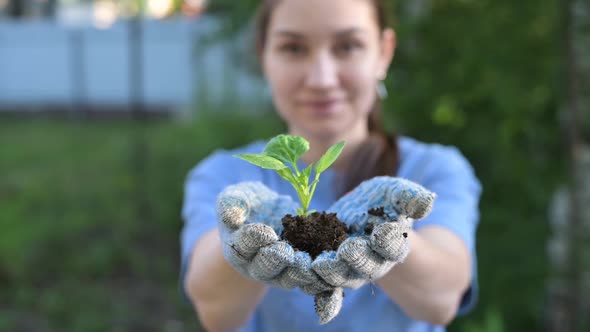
x: 378, y: 211
x: 319, y: 232
x: 314, y: 233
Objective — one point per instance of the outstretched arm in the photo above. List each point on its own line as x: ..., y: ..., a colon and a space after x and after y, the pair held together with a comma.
x: 439, y: 268
x: 434, y: 262
x: 231, y: 264
x: 429, y: 284
x: 222, y: 297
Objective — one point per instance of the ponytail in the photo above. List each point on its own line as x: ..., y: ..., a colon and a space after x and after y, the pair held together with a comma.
x: 377, y: 155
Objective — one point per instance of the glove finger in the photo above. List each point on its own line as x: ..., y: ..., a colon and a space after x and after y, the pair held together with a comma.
x: 354, y: 283
x: 248, y: 240
x: 236, y: 202
x: 331, y: 269
x: 389, y: 240
x: 232, y: 211
x: 359, y: 255
x: 328, y: 304
x: 411, y: 199
x: 299, y: 274
x: 384, y: 269
x: 317, y: 287
x: 271, y: 261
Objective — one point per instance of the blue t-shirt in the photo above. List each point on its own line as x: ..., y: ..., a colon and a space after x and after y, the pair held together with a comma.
x: 441, y: 169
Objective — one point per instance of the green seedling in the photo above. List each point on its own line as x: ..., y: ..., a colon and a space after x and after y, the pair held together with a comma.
x: 281, y: 154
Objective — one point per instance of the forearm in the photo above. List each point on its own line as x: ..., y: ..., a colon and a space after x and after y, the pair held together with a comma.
x: 223, y: 298
x: 429, y: 284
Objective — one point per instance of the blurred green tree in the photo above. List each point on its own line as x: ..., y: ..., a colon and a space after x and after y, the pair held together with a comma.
x: 569, y: 247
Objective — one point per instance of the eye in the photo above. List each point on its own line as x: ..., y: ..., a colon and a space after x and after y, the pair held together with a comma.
x: 292, y: 49
x: 347, y: 47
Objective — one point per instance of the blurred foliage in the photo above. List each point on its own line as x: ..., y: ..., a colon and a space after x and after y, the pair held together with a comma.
x: 492, y: 322
x: 484, y: 76
x: 89, y: 236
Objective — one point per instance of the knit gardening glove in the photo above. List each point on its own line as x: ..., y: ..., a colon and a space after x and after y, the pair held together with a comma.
x: 380, y: 211
x: 249, y: 218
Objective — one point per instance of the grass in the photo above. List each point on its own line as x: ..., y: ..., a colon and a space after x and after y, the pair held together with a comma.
x: 90, y: 219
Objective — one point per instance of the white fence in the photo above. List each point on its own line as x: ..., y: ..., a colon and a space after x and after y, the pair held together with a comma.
x: 42, y: 63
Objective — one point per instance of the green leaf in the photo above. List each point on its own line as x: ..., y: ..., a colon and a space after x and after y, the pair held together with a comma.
x: 286, y: 174
x: 262, y: 161
x: 286, y: 148
x: 307, y: 171
x: 303, y: 177
x: 329, y: 157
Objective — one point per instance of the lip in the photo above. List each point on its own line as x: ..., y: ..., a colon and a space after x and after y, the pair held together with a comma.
x: 320, y: 101
x: 322, y: 107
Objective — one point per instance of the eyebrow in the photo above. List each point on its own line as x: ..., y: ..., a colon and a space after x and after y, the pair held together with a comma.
x: 339, y: 34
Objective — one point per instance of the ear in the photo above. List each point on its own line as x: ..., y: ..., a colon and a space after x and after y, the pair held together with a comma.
x: 388, y: 44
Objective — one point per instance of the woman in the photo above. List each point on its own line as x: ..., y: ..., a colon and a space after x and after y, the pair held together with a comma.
x: 325, y: 62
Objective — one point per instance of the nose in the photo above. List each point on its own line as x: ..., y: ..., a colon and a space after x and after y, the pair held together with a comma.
x: 322, y: 72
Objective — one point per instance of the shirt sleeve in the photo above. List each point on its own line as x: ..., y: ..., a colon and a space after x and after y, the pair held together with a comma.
x: 456, y: 207
x: 198, y: 211
x: 202, y: 185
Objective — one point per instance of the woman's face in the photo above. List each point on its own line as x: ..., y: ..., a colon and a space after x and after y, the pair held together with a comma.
x: 323, y: 60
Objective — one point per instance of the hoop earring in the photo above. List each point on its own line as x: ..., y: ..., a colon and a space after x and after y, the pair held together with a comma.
x: 381, y: 90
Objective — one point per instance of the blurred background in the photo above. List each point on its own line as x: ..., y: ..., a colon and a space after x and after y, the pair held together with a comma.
x: 105, y: 106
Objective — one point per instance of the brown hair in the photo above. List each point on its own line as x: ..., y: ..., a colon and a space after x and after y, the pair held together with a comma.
x: 379, y: 154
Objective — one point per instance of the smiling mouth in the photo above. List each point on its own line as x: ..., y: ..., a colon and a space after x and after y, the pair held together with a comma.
x: 321, y: 103
x: 323, y: 107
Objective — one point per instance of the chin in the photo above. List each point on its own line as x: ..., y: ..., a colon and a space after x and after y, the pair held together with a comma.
x: 322, y: 128
x: 326, y: 132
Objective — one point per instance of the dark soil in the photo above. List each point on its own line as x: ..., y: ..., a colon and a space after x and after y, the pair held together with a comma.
x: 323, y: 231
x: 369, y: 228
x: 315, y: 233
x: 378, y: 211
